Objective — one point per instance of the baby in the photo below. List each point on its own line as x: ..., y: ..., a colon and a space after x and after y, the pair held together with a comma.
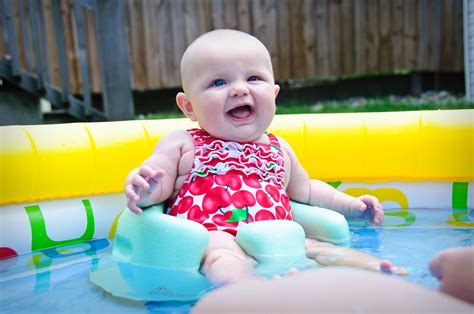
x: 231, y: 171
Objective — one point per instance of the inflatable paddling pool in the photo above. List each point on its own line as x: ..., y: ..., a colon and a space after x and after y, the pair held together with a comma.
x: 61, y: 185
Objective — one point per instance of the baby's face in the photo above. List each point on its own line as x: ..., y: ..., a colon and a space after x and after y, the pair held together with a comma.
x: 231, y: 89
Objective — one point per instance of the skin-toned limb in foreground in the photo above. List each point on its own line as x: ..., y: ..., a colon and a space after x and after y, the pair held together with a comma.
x: 328, y: 254
x: 454, y: 268
x: 330, y: 290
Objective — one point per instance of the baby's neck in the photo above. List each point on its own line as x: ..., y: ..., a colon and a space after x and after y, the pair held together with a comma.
x: 263, y: 139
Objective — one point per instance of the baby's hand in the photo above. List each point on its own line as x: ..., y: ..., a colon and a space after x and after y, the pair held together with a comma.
x: 368, y: 207
x: 141, y: 189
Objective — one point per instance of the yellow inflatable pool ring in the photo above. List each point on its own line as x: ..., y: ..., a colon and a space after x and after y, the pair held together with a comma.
x: 76, y: 171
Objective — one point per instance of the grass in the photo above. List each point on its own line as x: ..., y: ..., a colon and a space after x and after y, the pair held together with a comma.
x: 427, y: 101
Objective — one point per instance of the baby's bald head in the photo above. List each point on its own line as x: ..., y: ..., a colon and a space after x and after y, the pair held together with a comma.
x: 214, y: 43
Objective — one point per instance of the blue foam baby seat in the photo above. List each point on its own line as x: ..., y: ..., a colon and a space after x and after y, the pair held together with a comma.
x: 276, y: 245
x: 321, y: 224
x: 156, y: 257
x: 159, y: 240
x: 159, y: 256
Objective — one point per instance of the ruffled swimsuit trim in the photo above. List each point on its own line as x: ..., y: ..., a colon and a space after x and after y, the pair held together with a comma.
x: 216, y: 156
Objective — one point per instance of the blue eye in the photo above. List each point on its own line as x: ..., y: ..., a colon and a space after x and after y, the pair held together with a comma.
x: 218, y: 82
x: 252, y: 78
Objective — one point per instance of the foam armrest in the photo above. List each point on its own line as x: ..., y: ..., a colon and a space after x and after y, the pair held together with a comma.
x: 321, y: 224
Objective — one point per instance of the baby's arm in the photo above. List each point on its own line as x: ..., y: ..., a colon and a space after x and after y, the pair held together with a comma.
x: 153, y: 182
x: 302, y: 189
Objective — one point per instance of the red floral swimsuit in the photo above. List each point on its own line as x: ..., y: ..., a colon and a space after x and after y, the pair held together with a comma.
x: 233, y: 183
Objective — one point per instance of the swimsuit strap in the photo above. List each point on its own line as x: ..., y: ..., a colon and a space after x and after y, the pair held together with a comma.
x: 273, y: 140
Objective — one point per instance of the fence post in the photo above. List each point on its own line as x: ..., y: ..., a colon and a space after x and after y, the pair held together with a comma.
x: 469, y: 48
x: 114, y: 61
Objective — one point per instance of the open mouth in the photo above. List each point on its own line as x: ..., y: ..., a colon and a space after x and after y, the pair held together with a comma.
x: 241, y: 112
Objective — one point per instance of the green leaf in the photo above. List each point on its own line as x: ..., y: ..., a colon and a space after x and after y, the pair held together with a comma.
x: 238, y: 214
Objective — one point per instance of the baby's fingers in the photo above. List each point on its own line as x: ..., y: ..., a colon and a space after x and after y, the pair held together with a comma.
x: 157, y: 175
x: 140, y: 182
x: 132, y: 205
x: 130, y: 193
x: 147, y: 172
x: 375, y: 209
x: 357, y: 209
x: 378, y: 213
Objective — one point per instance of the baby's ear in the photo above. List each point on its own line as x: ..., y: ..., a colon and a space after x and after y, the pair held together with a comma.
x: 185, y: 105
x: 277, y: 89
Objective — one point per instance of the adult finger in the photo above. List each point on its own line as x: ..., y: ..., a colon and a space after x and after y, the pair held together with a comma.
x: 435, y: 266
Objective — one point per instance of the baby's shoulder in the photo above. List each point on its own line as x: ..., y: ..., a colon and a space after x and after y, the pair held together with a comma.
x: 283, y: 144
x: 177, y: 139
x: 287, y: 150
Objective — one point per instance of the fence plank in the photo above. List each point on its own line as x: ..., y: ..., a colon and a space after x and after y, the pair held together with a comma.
x: 244, y: 11
x: 191, y: 22
x: 347, y: 44
x: 434, y: 34
x: 230, y: 17
x: 397, y: 43
x: 423, y: 35
x: 178, y: 38
x: 16, y: 7
x: 69, y: 37
x: 135, y: 18
x: 359, y: 36
x: 309, y: 35
x: 51, y: 43
x: 60, y: 48
x: 409, y: 36
x: 3, y: 44
x: 217, y: 9
x: 372, y: 42
x: 322, y: 39
x: 282, y: 68
x: 91, y: 40
x: 335, y: 52
x: 446, y: 35
x: 271, y: 41
x: 168, y: 69
x: 150, y: 48
x: 458, y: 47
x: 25, y: 37
x: 204, y: 13
x: 298, y: 68
x: 385, y: 47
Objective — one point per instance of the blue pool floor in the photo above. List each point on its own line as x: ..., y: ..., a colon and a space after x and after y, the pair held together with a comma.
x: 57, y: 280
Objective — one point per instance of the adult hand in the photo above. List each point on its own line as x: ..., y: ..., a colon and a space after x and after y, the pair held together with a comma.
x: 454, y: 268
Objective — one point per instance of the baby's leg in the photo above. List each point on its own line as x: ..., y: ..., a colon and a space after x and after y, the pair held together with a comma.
x: 225, y: 262
x: 330, y: 255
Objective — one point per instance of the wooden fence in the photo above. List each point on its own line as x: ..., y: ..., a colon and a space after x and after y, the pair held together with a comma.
x: 306, y: 38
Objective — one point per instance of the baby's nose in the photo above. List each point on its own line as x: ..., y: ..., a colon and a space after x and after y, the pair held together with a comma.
x: 238, y: 90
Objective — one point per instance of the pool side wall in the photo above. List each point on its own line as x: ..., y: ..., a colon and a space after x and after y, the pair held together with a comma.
x: 62, y: 183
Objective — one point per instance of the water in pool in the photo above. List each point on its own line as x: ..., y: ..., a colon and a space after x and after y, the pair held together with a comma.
x: 57, y: 280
